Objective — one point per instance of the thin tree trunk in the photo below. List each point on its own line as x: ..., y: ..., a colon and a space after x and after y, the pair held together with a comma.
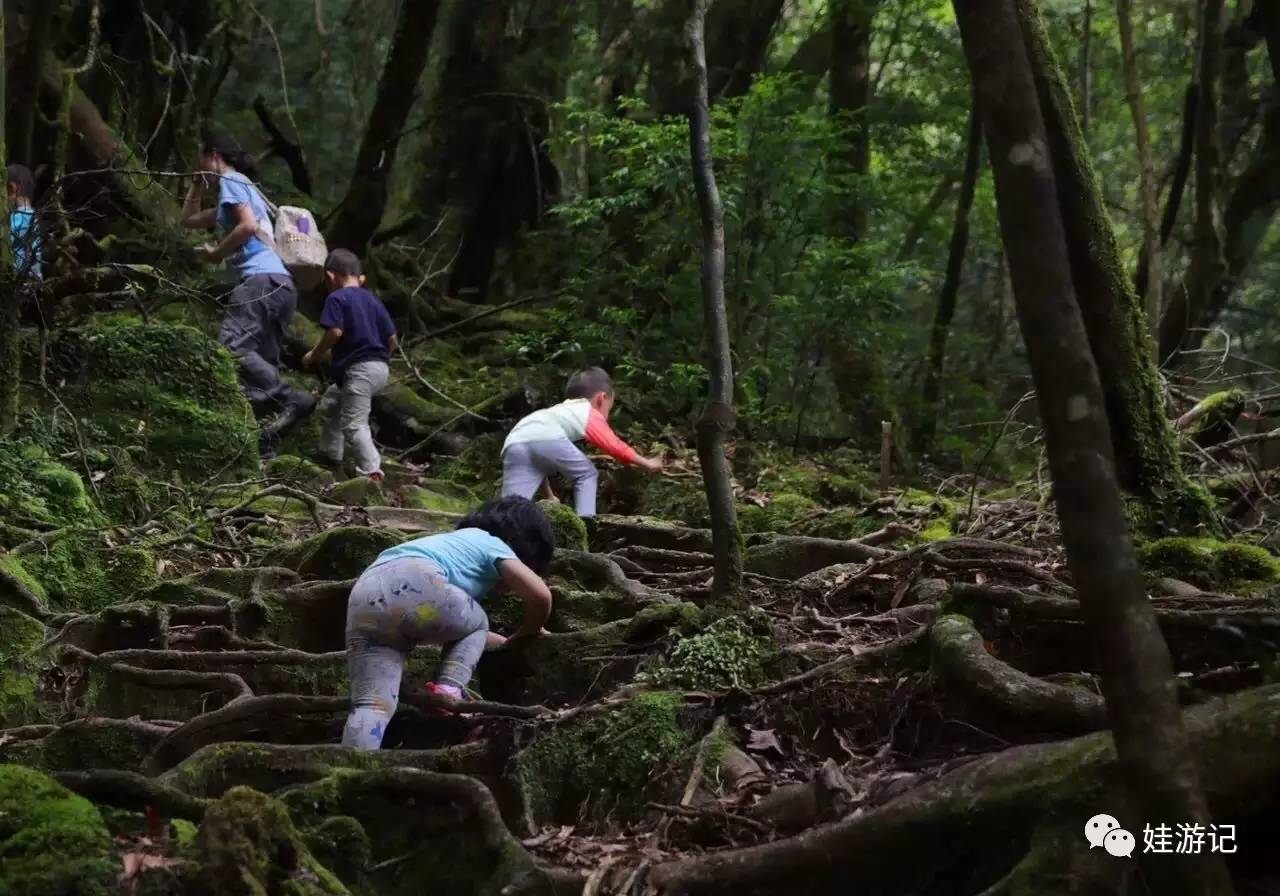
x: 717, y: 416
x: 1152, y: 275
x: 1086, y: 70
x: 1137, y: 673
x: 1207, y: 268
x: 1146, y: 452
x: 927, y: 422
x: 361, y: 210
x: 10, y: 355
x: 850, y: 100
x: 915, y: 232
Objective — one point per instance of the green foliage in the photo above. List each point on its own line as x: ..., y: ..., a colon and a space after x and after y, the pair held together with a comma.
x: 20, y: 635
x: 726, y: 654
x: 51, y: 841
x: 80, y: 572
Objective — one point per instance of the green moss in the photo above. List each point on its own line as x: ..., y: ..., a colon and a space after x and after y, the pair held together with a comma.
x: 1211, y: 564
x: 35, y: 489
x: 184, y: 835
x: 726, y: 654
x: 674, y: 500
x: 12, y: 565
x: 247, y: 846
x: 80, y: 573
x: 292, y: 468
x: 844, y: 523
x: 340, y: 842
x: 20, y: 635
x: 569, y: 529
x: 359, y: 492
x: 605, y: 756
x: 438, y: 495
x: 166, y: 394
x: 51, y: 841
x: 335, y: 554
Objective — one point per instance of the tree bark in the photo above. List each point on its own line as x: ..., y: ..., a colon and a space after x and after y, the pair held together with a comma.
x: 361, y: 209
x: 1146, y: 453
x: 945, y: 312
x: 26, y: 97
x: 1152, y: 276
x: 1137, y: 673
x: 10, y: 354
x: 850, y: 100
x: 717, y: 416
x: 1207, y: 268
x: 742, y: 30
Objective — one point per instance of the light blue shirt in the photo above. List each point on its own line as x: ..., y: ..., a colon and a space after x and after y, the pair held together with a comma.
x: 255, y: 256
x: 25, y: 236
x: 468, y: 557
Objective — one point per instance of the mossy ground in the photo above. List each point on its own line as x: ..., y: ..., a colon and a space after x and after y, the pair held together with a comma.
x: 79, y: 572
x: 20, y: 635
x: 335, y: 554
x: 728, y: 653
x: 51, y: 841
x: 1207, y: 563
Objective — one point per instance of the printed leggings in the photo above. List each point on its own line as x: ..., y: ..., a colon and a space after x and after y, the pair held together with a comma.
x: 393, y: 607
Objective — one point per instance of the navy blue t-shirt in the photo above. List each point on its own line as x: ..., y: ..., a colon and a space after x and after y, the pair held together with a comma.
x: 365, y: 324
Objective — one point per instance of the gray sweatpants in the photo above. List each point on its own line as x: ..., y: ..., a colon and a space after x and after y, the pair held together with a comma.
x: 255, y: 326
x: 393, y: 607
x: 526, y: 464
x: 345, y: 411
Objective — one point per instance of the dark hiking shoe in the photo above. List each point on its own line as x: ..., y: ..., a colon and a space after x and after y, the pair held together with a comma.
x: 268, y: 444
x: 298, y: 409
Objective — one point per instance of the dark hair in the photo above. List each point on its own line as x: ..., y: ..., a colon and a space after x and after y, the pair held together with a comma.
x: 521, y: 524
x: 232, y: 153
x: 22, y: 178
x: 343, y: 262
x: 587, y: 382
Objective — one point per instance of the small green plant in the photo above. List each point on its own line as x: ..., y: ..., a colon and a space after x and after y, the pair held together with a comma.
x: 725, y: 654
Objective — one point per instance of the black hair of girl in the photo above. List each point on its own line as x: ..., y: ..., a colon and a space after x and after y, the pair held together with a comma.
x: 521, y: 524
x: 232, y: 153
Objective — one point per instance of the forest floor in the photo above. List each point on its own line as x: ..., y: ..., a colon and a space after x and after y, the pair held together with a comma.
x: 902, y: 698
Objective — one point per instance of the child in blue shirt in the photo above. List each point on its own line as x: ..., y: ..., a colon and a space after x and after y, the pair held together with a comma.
x: 361, y: 335
x: 23, y: 232
x: 427, y: 591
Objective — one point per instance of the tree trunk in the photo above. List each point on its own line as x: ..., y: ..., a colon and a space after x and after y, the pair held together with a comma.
x: 741, y: 32
x: 927, y: 421
x: 850, y: 100
x: 1146, y: 453
x: 26, y: 97
x: 10, y: 353
x: 1152, y: 276
x: 1207, y: 268
x: 361, y: 210
x: 1137, y: 673
x: 717, y: 415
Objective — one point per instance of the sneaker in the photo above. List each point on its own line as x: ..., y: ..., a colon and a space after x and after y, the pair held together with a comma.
x: 451, y: 692
x: 376, y: 478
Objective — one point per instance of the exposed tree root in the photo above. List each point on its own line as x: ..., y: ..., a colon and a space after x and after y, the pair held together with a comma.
x: 598, y: 572
x: 961, y: 657
x: 997, y: 798
x: 130, y: 790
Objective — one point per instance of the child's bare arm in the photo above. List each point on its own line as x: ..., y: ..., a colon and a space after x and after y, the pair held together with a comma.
x: 527, y: 584
x: 193, y: 215
x: 327, y: 341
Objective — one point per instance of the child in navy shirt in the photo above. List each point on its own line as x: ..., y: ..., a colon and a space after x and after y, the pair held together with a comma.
x: 361, y: 335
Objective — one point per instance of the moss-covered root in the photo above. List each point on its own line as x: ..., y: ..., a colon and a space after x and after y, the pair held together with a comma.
x: 449, y: 826
x: 51, y: 841
x: 791, y: 557
x: 1000, y: 798
x: 569, y: 528
x: 247, y: 844
x: 1230, y: 566
x: 961, y: 659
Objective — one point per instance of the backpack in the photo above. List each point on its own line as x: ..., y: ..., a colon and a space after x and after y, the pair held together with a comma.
x: 294, y: 235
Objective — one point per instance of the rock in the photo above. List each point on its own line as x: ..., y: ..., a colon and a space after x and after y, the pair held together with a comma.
x: 439, y: 494
x: 1232, y: 566
x: 335, y: 554
x: 299, y: 471
x: 51, y: 841
x: 359, y: 492
x: 247, y: 844
x: 36, y: 489
x: 167, y: 395
x: 20, y: 634
x: 569, y: 529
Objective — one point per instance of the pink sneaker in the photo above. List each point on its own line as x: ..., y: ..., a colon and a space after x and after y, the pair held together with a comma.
x: 450, y: 692
x: 376, y: 477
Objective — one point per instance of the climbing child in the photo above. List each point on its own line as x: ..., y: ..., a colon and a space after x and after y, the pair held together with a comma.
x: 361, y: 335
x: 23, y: 232
x: 427, y: 591
x: 541, y: 444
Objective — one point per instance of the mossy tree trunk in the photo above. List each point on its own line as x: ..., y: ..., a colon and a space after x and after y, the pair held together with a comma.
x: 361, y: 210
x: 717, y: 415
x: 1146, y: 453
x: 928, y: 418
x: 10, y: 361
x: 1137, y: 672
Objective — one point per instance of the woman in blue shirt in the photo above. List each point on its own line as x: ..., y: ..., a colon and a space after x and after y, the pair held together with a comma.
x: 263, y: 302
x: 427, y: 591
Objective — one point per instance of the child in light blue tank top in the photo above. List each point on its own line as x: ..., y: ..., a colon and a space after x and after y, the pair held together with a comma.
x: 427, y: 591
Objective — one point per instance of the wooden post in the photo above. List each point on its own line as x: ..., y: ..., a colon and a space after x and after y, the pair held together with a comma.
x: 886, y: 454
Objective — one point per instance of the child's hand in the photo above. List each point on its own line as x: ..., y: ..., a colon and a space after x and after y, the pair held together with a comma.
x: 651, y: 464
